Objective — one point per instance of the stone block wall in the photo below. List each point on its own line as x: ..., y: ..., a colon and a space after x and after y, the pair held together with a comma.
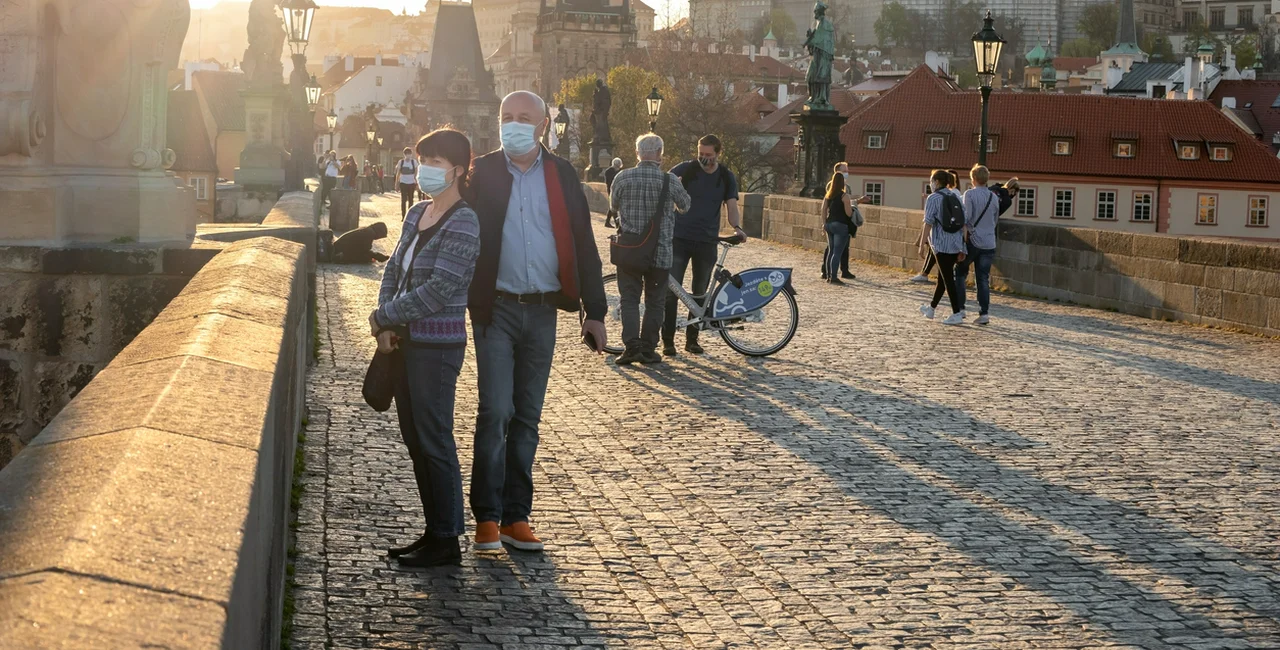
x: 153, y: 510
x: 1217, y: 282
x: 65, y: 313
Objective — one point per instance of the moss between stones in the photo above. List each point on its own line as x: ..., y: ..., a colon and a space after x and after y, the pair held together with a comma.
x: 295, y: 501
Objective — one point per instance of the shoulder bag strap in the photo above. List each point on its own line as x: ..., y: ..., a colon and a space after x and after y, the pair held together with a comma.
x: 984, y: 210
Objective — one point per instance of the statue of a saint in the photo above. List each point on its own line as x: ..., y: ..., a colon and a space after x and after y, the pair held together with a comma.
x: 821, y: 43
x: 261, y: 64
x: 601, y: 100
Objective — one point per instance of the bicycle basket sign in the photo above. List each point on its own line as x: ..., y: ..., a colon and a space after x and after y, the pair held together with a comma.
x: 759, y: 287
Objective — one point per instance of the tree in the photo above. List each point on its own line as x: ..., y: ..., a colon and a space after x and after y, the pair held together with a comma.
x: 1080, y: 47
x: 1158, y: 47
x: 575, y: 94
x: 629, y: 114
x: 778, y: 21
x: 1098, y: 24
x: 1245, y: 50
x: 957, y: 23
x: 893, y: 27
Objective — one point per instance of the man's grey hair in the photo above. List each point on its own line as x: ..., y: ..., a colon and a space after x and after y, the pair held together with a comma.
x: 617, y: 162
x: 649, y: 144
x: 532, y: 96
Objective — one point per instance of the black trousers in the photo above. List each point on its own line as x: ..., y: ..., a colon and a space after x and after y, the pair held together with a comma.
x: 642, y: 333
x: 703, y: 255
x: 844, y: 263
x: 406, y: 197
x: 327, y: 183
x: 947, y: 281
x: 929, y: 261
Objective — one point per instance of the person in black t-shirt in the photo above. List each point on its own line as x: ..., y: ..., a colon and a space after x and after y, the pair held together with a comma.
x: 611, y: 218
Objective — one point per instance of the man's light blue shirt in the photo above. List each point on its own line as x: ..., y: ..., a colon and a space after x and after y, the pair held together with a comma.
x: 981, y: 207
x: 529, y: 262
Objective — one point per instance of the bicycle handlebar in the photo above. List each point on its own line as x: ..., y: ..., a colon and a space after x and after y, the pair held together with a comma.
x: 732, y: 241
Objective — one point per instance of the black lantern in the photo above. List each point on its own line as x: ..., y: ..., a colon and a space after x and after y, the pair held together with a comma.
x: 332, y: 120
x: 372, y: 132
x: 298, y: 16
x: 313, y: 93
x: 562, y: 129
x: 986, y: 54
x: 654, y: 100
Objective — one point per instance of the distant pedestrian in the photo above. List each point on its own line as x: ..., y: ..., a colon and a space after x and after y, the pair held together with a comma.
x: 982, y: 213
x: 639, y: 195
x: 330, y: 170
x: 407, y: 175
x: 711, y: 186
x: 837, y: 210
x: 349, y: 173
x: 943, y: 231
x: 610, y: 219
x: 382, y: 188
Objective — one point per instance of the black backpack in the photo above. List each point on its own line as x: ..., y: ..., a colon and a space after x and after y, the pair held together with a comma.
x: 952, y: 212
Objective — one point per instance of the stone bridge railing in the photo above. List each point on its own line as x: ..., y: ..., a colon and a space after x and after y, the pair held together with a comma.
x: 1216, y: 282
x: 153, y: 510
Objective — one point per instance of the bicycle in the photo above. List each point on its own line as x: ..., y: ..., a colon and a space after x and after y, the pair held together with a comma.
x: 739, y: 302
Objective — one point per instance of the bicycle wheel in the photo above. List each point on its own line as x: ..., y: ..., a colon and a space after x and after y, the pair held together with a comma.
x: 613, y: 317
x: 766, y: 331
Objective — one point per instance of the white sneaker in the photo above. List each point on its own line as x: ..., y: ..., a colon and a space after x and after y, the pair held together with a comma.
x: 920, y: 279
x: 954, y: 319
x: 983, y: 320
x: 927, y: 311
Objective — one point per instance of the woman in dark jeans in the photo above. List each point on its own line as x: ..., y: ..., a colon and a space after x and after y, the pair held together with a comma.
x: 948, y: 247
x: 837, y: 210
x: 422, y: 313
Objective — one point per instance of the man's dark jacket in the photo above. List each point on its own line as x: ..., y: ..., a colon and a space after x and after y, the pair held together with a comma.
x: 488, y: 193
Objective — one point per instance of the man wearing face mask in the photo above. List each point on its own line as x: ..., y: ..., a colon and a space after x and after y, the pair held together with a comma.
x: 710, y: 185
x: 408, y: 177
x: 537, y: 254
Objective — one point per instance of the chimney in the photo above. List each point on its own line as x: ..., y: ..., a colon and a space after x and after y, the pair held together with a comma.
x: 350, y: 63
x: 1191, y: 77
x: 1228, y: 102
x: 1113, y: 75
x: 330, y: 60
x: 377, y: 60
x: 751, y: 53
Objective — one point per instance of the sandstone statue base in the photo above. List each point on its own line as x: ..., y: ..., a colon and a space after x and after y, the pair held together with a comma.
x: 43, y: 206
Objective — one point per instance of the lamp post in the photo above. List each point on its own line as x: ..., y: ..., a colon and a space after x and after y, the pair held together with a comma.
x: 986, y: 54
x: 562, y: 129
x: 654, y: 100
x: 371, y: 133
x: 298, y: 18
x: 332, y: 119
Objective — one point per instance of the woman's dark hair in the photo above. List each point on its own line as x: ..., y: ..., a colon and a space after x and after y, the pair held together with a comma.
x: 835, y: 188
x: 942, y: 177
x: 955, y: 178
x: 451, y: 145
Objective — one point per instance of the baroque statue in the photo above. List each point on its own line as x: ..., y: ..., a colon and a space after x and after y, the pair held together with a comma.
x: 601, y: 100
x: 261, y: 64
x: 821, y: 44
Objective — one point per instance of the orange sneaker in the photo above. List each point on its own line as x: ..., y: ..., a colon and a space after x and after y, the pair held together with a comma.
x: 487, y: 536
x: 521, y: 536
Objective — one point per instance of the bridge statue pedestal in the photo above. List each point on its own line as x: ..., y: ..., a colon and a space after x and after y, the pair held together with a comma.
x: 818, y: 148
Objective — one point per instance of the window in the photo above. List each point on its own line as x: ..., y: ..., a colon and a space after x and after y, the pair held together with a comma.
x: 874, y: 191
x: 875, y: 142
x: 1142, y: 203
x: 1064, y: 204
x: 1221, y: 154
x: 378, y: 81
x: 1188, y: 152
x: 1244, y: 17
x: 1208, y: 212
x: 1257, y: 211
x: 1158, y: 91
x: 1190, y: 19
x: 1124, y: 150
x: 991, y: 143
x: 1062, y: 147
x: 200, y: 184
x: 1106, y: 205
x: 1026, y: 202
x: 937, y: 143
x: 1217, y: 18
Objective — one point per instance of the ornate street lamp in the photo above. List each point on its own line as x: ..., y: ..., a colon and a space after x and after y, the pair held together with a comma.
x: 298, y: 16
x: 654, y: 100
x: 562, y: 128
x: 986, y: 54
x: 332, y: 120
x: 313, y: 94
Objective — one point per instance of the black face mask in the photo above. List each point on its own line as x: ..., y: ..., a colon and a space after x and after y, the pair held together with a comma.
x: 706, y: 162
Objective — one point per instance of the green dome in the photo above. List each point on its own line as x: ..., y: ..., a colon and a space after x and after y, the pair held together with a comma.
x: 1036, y: 57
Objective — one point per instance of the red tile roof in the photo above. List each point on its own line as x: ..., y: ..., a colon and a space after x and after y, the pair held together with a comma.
x: 1261, y: 94
x: 779, y: 121
x: 338, y: 74
x: 1025, y: 121
x: 1074, y: 63
x: 221, y: 91
x: 186, y: 135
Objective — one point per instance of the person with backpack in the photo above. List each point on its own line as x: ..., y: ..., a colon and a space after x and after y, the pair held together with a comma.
x: 407, y: 175
x: 710, y: 185
x: 943, y: 232
x: 982, y: 212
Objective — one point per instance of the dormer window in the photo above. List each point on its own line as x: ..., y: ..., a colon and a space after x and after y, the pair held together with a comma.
x: 875, y: 141
x: 992, y: 141
x: 937, y: 143
x: 1062, y: 147
x: 1126, y: 150
x: 1220, y: 153
x: 1188, y: 152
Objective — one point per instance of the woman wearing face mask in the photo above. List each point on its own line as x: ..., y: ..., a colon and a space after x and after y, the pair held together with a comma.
x: 422, y: 313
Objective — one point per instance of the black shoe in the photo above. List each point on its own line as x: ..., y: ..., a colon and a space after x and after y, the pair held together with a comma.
x: 379, y: 256
x: 824, y: 276
x: 405, y: 550
x: 848, y: 276
x: 627, y: 358
x: 691, y: 346
x: 834, y: 281
x: 438, y: 551
x: 669, y: 349
x: 649, y: 357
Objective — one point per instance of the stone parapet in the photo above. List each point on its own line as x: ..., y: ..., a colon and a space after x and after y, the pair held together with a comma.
x: 1223, y: 283
x: 152, y: 510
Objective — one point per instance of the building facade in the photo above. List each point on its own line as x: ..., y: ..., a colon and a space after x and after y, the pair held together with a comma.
x: 1178, y: 167
x: 459, y: 89
x: 1222, y: 15
x: 580, y: 37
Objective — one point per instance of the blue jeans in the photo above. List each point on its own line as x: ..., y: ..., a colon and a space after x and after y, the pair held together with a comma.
x: 981, y: 259
x: 513, y: 363
x: 837, y: 246
x: 424, y: 406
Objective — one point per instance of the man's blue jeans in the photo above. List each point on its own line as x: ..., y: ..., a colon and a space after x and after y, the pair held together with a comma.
x: 981, y: 259
x: 513, y: 362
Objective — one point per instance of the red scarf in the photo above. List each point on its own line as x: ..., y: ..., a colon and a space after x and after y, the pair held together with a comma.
x: 561, y: 229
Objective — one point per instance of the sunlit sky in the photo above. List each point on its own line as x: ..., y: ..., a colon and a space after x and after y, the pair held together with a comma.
x: 678, y: 7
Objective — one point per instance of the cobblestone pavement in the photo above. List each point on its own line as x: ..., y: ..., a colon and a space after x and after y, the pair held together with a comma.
x: 1064, y: 478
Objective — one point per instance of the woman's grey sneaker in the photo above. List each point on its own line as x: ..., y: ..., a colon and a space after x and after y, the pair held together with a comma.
x: 927, y: 311
x: 983, y: 320
x: 920, y: 279
x: 954, y: 319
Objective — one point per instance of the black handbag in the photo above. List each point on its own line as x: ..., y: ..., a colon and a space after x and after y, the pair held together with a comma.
x: 634, y: 251
x: 381, y: 378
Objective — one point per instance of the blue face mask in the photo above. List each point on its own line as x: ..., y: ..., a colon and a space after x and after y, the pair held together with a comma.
x: 517, y: 138
x: 431, y: 180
